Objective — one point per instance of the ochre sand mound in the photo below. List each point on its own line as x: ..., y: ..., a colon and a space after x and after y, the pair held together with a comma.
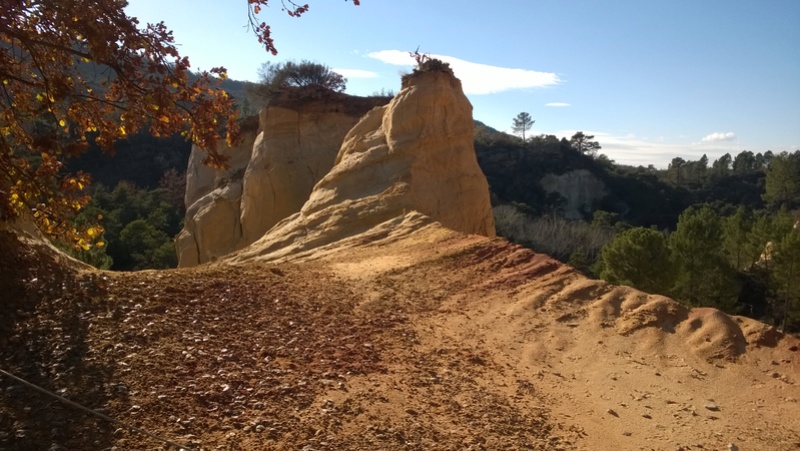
x: 409, y: 336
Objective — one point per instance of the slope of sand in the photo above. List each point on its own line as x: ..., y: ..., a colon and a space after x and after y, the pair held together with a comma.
x: 408, y: 337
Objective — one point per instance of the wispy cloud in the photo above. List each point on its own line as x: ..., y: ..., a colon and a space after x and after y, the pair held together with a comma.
x: 396, y: 57
x: 635, y: 150
x: 477, y: 78
x: 557, y: 104
x: 719, y: 136
x: 356, y: 73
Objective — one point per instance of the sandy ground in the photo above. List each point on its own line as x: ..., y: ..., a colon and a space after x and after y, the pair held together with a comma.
x: 423, y: 339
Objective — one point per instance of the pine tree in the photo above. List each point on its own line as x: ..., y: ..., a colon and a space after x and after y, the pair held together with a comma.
x: 639, y: 257
x: 783, y: 180
x: 704, y: 277
x: 583, y: 143
x: 735, y: 229
x: 522, y: 123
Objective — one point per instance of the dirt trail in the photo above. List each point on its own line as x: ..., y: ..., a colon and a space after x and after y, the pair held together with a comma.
x: 423, y: 340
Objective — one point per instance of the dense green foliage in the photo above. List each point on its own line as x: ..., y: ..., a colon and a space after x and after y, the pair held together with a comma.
x: 704, y: 277
x: 139, y: 227
x: 783, y: 181
x: 141, y: 160
x: 639, y: 257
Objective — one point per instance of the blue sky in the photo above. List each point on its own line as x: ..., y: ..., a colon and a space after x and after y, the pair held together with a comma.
x: 651, y: 80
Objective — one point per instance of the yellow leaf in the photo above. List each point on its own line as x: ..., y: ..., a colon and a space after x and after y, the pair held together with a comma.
x: 62, y: 122
x: 100, y: 244
x: 122, y: 130
x: 92, y: 232
x: 164, y: 119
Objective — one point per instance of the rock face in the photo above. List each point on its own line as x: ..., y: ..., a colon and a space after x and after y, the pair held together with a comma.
x: 286, y: 150
x: 211, y: 226
x: 414, y: 154
x: 580, y: 188
x: 296, y: 149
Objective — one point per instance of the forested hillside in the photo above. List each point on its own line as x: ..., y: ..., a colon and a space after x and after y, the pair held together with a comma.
x: 720, y: 234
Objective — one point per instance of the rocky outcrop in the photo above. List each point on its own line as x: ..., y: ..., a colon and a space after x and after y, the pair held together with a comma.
x: 211, y: 226
x: 297, y: 148
x: 581, y: 189
x: 285, y: 152
x: 414, y: 154
x: 202, y: 179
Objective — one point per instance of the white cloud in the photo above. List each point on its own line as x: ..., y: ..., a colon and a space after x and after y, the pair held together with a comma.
x: 396, y: 57
x: 719, y: 136
x: 557, y: 104
x: 477, y: 78
x: 356, y: 73
x: 635, y: 150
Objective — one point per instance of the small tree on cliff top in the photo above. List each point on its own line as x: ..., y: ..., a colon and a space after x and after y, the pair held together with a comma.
x: 51, y: 105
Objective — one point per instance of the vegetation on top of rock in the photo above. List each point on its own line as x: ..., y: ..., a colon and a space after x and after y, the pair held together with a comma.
x: 298, y: 79
x: 425, y: 64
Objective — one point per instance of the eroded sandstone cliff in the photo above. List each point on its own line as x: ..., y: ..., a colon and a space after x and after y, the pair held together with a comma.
x: 287, y: 149
x: 414, y: 154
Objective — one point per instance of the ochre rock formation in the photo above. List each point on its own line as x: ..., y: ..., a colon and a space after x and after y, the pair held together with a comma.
x: 296, y: 149
x: 286, y: 150
x: 211, y: 226
x: 414, y: 154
